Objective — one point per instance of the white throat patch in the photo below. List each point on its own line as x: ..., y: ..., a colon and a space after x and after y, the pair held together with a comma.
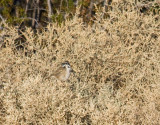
x: 68, y: 70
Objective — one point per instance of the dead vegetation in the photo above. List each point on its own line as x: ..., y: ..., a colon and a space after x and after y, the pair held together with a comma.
x: 117, y: 79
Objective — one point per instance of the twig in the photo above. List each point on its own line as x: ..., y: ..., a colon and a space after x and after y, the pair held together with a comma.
x: 30, y: 19
x: 49, y: 10
x: 26, y: 7
x: 3, y: 20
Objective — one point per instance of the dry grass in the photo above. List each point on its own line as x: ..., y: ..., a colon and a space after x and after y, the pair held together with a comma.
x: 117, y: 79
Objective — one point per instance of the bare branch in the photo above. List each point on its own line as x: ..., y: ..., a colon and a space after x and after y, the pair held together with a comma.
x: 30, y: 19
x: 60, y: 5
x: 90, y: 8
x: 67, y: 4
x: 49, y: 10
x: 26, y: 7
x: 34, y: 14
x: 38, y: 10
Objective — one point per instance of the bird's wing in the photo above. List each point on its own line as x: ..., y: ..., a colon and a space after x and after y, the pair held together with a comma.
x: 58, y: 71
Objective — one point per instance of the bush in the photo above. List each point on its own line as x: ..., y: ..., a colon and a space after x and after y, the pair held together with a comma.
x: 117, y: 72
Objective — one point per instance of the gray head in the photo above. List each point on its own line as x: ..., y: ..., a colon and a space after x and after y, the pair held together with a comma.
x: 67, y: 65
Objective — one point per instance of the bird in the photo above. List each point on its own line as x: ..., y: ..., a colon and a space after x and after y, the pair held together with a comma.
x: 63, y: 72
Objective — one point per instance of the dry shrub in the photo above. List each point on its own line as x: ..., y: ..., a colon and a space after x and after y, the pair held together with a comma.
x: 117, y: 64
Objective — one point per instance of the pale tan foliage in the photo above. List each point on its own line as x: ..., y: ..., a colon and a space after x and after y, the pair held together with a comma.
x: 117, y: 79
